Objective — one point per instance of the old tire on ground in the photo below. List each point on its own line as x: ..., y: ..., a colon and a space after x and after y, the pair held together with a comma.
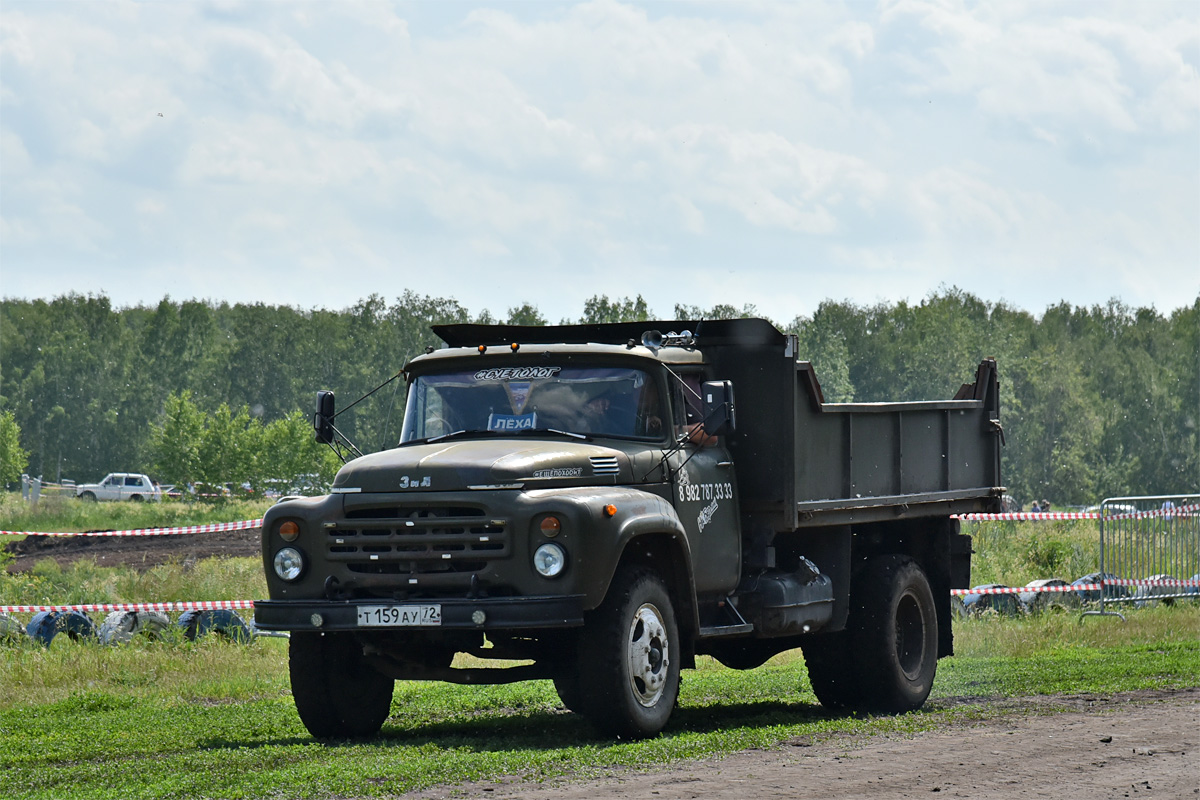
x: 895, y: 634
x: 120, y: 627
x: 45, y: 625
x: 11, y: 631
x: 337, y: 693
x: 225, y: 623
x: 629, y: 657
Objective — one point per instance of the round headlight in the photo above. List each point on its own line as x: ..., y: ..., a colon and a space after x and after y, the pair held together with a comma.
x: 289, y: 563
x: 549, y: 560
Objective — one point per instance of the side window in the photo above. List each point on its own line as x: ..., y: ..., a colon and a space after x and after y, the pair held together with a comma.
x: 687, y: 401
x: 111, y: 481
x: 133, y: 480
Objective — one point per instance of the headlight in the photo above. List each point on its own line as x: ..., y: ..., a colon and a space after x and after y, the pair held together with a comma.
x: 289, y: 563
x: 549, y: 560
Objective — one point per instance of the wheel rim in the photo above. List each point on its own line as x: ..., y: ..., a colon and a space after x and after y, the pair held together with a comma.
x: 910, y: 636
x: 649, y: 655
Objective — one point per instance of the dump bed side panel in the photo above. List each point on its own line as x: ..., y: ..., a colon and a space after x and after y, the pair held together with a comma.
x: 803, y: 462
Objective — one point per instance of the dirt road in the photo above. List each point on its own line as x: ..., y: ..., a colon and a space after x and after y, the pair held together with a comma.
x: 1139, y: 745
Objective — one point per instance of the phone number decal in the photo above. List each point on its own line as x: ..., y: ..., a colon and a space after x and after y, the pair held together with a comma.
x: 704, y: 492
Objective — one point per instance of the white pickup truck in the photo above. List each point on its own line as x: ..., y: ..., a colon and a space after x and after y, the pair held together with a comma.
x: 120, y: 486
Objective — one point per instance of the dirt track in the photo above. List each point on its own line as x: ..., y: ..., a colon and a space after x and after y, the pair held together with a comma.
x: 1138, y: 745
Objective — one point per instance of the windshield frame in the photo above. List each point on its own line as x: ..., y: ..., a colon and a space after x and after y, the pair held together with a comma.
x: 569, y: 372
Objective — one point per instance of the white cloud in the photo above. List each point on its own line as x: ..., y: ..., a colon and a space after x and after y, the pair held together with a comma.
x: 603, y: 148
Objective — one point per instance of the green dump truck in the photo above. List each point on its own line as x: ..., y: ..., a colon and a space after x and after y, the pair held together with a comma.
x: 591, y: 502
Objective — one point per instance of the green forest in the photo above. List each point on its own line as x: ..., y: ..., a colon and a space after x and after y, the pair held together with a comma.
x: 1100, y: 401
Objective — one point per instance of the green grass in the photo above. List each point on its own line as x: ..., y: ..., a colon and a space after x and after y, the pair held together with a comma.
x: 174, y: 719
x: 55, y: 514
x: 1015, y: 553
x: 212, y: 719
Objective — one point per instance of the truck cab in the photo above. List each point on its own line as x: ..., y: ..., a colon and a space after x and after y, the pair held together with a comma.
x: 576, y: 497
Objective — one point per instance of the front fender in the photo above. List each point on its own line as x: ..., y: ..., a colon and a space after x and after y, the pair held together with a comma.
x: 598, y: 549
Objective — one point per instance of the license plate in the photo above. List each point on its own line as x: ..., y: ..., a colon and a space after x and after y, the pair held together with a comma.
x: 400, y: 616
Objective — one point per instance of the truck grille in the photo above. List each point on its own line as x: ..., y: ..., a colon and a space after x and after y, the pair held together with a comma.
x: 421, y: 539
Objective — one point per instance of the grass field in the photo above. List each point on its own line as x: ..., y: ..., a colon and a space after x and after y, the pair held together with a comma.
x: 177, y: 719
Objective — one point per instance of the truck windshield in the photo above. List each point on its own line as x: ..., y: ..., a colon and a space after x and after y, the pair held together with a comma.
x: 599, y: 401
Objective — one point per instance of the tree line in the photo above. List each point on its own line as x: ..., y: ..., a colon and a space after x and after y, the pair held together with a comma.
x: 1096, y: 402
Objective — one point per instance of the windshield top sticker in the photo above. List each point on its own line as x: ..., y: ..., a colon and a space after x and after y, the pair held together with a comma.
x: 516, y: 373
x: 512, y: 422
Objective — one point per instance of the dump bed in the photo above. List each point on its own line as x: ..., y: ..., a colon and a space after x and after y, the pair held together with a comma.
x: 803, y: 462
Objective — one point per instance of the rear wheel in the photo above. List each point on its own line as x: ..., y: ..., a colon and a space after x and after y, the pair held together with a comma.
x: 895, y: 635
x: 629, y: 657
x: 831, y: 670
x: 337, y: 693
x: 886, y: 658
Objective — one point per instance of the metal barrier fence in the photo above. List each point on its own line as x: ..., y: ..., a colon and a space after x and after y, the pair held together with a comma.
x: 1150, y: 544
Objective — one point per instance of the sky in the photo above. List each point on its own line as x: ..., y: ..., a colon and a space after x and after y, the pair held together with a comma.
x: 773, y: 155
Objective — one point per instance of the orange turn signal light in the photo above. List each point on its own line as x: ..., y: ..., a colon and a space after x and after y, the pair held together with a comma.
x: 482, y: 349
x: 610, y: 510
x: 551, y: 526
x: 289, y: 531
x: 515, y: 347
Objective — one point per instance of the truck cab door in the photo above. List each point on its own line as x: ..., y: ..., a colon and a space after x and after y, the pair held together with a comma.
x: 704, y: 493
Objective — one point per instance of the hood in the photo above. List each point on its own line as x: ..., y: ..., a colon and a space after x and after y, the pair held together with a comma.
x: 452, y: 466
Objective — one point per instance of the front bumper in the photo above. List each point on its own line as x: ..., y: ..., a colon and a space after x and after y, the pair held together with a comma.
x: 498, y: 613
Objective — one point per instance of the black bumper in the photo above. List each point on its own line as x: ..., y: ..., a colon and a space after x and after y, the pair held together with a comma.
x: 497, y: 613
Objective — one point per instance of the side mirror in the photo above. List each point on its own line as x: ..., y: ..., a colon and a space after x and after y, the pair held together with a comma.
x: 719, y: 415
x: 323, y: 418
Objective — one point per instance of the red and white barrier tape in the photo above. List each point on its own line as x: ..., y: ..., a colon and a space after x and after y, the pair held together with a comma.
x: 214, y: 527
x: 1082, y: 587
x: 1030, y: 516
x: 1052, y: 516
x: 214, y: 605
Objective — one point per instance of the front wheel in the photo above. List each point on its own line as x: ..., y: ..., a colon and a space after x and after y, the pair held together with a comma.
x: 337, y: 693
x: 629, y: 657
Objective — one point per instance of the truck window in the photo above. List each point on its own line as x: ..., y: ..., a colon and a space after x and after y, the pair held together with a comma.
x: 601, y: 401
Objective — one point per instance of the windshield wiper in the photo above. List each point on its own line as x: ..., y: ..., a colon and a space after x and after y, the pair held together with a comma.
x: 456, y: 434
x: 570, y: 434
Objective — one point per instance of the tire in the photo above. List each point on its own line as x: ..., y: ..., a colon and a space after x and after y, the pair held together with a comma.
x: 135, y: 498
x: 11, y: 631
x: 223, y: 622
x: 45, y: 625
x: 894, y: 635
x: 629, y: 657
x: 337, y: 693
x: 831, y: 670
x: 570, y: 692
x: 88, y: 497
x: 120, y: 627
